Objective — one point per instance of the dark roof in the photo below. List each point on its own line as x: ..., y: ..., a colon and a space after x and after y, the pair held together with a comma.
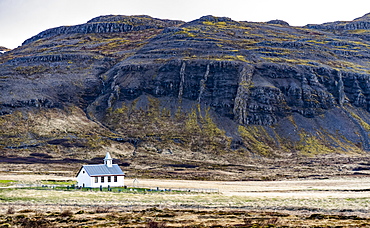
x: 103, y: 170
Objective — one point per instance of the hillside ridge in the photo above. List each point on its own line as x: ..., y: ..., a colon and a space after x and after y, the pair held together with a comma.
x: 212, y: 89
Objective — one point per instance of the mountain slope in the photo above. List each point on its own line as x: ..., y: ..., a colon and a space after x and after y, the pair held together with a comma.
x: 3, y: 49
x: 358, y: 28
x: 210, y: 90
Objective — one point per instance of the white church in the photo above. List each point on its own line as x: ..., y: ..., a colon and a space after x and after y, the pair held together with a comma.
x: 104, y: 175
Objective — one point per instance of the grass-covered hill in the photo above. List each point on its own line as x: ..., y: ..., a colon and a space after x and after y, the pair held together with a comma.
x: 163, y: 93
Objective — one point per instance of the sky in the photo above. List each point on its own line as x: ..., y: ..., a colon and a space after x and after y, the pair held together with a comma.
x: 22, y: 19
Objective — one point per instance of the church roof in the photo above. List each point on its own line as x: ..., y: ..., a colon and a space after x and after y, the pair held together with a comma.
x: 103, y: 170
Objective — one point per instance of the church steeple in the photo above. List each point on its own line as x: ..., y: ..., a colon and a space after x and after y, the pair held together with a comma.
x: 108, y: 160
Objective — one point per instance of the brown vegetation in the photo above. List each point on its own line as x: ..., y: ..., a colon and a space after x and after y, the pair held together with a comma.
x: 294, y: 203
x: 158, y: 218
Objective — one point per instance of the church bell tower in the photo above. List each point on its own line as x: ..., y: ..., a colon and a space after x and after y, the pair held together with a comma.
x: 108, y: 160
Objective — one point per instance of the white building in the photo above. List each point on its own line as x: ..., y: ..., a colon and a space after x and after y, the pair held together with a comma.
x: 107, y: 174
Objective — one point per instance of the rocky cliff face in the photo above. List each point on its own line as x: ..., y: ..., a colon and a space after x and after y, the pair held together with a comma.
x: 212, y: 85
x: 107, y: 24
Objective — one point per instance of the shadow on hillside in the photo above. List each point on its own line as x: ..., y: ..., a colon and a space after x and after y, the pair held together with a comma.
x: 47, y: 159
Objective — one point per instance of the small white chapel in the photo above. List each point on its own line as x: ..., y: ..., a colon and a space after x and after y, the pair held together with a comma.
x: 104, y: 175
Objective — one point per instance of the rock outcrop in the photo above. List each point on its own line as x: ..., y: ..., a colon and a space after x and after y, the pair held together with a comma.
x: 359, y: 27
x: 278, y: 22
x: 3, y: 50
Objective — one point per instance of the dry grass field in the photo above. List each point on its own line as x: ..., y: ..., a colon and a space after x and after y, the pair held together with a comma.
x: 337, y: 202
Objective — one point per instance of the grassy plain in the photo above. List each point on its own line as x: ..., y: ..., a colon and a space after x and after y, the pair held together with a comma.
x: 343, y: 202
